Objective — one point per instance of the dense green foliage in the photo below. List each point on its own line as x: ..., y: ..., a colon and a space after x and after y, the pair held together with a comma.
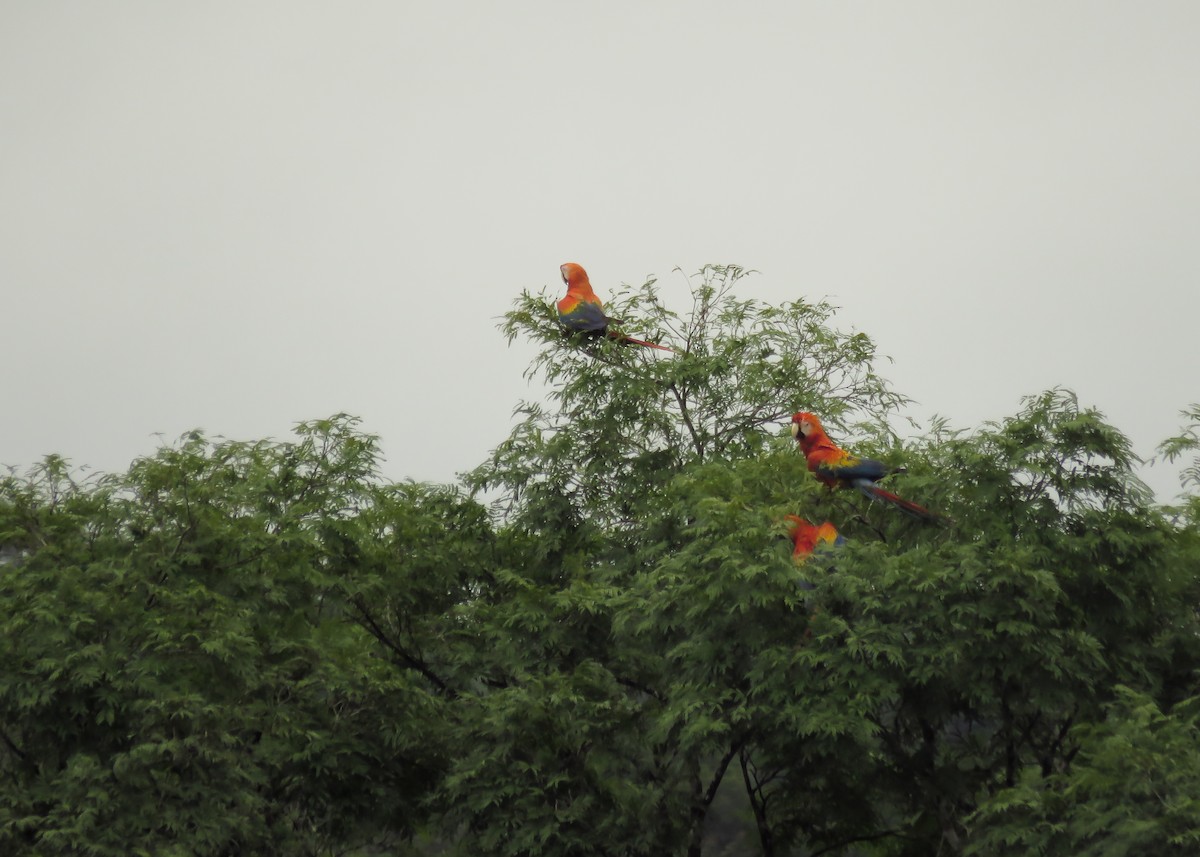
x: 263, y: 648
x: 1133, y: 788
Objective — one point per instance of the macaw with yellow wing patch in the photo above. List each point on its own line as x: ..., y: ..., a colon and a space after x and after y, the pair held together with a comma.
x: 583, y: 312
x: 806, y: 536
x: 838, y: 468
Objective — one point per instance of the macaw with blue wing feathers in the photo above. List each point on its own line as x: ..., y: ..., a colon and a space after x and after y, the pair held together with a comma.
x: 583, y: 312
x: 838, y: 468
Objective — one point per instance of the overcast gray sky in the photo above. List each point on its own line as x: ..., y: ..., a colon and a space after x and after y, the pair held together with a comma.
x: 237, y: 215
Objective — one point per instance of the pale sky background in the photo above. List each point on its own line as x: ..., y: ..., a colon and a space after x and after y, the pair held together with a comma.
x: 237, y: 215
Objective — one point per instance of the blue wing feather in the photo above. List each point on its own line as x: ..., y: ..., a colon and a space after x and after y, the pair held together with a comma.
x: 584, y: 317
x: 854, y: 470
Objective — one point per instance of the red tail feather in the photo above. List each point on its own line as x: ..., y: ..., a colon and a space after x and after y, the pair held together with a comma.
x: 900, y: 503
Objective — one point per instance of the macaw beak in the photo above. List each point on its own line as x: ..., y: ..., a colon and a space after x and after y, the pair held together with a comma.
x: 796, y: 430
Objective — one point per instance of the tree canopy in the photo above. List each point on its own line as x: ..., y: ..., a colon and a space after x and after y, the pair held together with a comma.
x: 599, y: 642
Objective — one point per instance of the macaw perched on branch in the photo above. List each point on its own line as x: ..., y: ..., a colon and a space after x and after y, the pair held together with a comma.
x: 582, y: 311
x: 806, y: 536
x: 838, y: 468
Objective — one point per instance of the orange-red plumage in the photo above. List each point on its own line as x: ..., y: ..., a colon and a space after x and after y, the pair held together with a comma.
x: 581, y: 310
x: 820, y: 452
x: 806, y: 536
x: 837, y: 468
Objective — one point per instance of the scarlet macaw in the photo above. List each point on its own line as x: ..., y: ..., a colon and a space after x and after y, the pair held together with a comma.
x: 838, y: 468
x: 806, y: 536
x: 582, y: 311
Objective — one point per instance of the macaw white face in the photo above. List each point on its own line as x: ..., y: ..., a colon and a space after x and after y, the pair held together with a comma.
x: 563, y: 270
x: 801, y: 428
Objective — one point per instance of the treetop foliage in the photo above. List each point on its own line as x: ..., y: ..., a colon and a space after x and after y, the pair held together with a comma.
x: 616, y: 414
x: 264, y: 648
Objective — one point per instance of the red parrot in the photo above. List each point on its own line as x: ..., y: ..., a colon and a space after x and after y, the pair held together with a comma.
x: 838, y: 468
x: 806, y: 536
x: 582, y: 311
